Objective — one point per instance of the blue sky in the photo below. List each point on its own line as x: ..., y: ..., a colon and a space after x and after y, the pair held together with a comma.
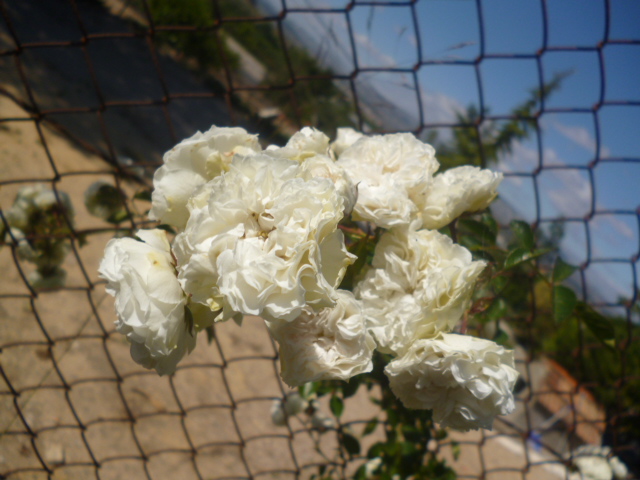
x: 573, y: 132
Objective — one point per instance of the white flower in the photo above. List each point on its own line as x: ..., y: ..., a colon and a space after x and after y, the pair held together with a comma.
x: 420, y: 285
x: 149, y: 301
x: 191, y: 164
x: 330, y: 344
x: 306, y: 143
x: 37, y: 200
x: 291, y: 405
x: 321, y: 166
x: 459, y: 190
x: 278, y: 416
x: 467, y: 381
x: 391, y: 172
x: 24, y: 250
x: 47, y: 254
x: 371, y: 467
x: 595, y: 462
x: 263, y: 241
x: 345, y: 137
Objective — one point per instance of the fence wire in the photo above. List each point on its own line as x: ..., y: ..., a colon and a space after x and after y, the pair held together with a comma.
x: 98, y: 90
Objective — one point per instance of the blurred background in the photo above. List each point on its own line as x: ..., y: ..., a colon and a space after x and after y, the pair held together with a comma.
x: 548, y: 92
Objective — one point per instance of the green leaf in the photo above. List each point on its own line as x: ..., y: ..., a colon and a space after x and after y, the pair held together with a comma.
x: 455, y: 450
x: 499, y: 283
x: 167, y: 228
x: 481, y: 232
x: 119, y: 217
x: 520, y: 255
x: 351, y: 444
x: 375, y: 450
x: 188, y: 320
x: 564, y: 302
x: 336, y: 405
x: 392, y: 417
x: 370, y: 427
x: 361, y: 473
x: 501, y: 337
x: 351, y: 387
x: 599, y: 325
x: 491, y: 223
x: 523, y: 234
x: 497, y: 310
x: 143, y: 195
x: 407, y: 448
x: 412, y: 434
x: 562, y: 270
x: 211, y: 334
x: 307, y: 389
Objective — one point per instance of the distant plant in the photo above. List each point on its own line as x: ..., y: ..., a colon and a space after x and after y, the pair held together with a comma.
x: 40, y: 223
x: 204, y: 44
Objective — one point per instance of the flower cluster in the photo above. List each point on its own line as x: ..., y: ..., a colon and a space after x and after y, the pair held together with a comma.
x: 260, y: 232
x: 593, y: 462
x: 40, y: 220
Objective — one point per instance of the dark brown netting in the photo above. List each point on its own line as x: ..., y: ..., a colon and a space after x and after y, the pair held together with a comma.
x: 98, y: 90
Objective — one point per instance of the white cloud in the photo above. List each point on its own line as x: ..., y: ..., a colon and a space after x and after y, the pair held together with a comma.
x: 373, y: 55
x: 578, y: 135
x: 439, y: 108
x: 620, y: 227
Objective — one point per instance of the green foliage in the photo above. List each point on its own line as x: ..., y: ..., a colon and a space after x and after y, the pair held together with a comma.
x: 564, y: 302
x: 200, y: 44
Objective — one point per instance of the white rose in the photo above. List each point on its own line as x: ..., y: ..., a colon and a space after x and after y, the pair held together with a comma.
x: 24, y: 250
x: 47, y: 254
x: 37, y: 199
x: 291, y: 405
x: 191, y: 164
x: 306, y: 143
x: 321, y: 166
x: 420, y: 285
x: 467, y: 381
x: 265, y: 242
x: 330, y: 344
x: 345, y: 137
x: 459, y: 190
x: 46, y: 200
x: 371, y: 467
x: 392, y: 172
x: 150, y: 303
x: 594, y: 462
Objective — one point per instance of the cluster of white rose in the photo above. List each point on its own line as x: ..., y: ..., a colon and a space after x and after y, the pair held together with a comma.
x: 39, y: 220
x: 593, y: 462
x: 258, y: 233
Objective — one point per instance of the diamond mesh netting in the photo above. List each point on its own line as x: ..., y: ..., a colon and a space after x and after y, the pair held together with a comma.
x: 97, y: 90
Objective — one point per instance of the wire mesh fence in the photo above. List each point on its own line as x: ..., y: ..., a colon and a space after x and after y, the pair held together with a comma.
x: 98, y: 90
